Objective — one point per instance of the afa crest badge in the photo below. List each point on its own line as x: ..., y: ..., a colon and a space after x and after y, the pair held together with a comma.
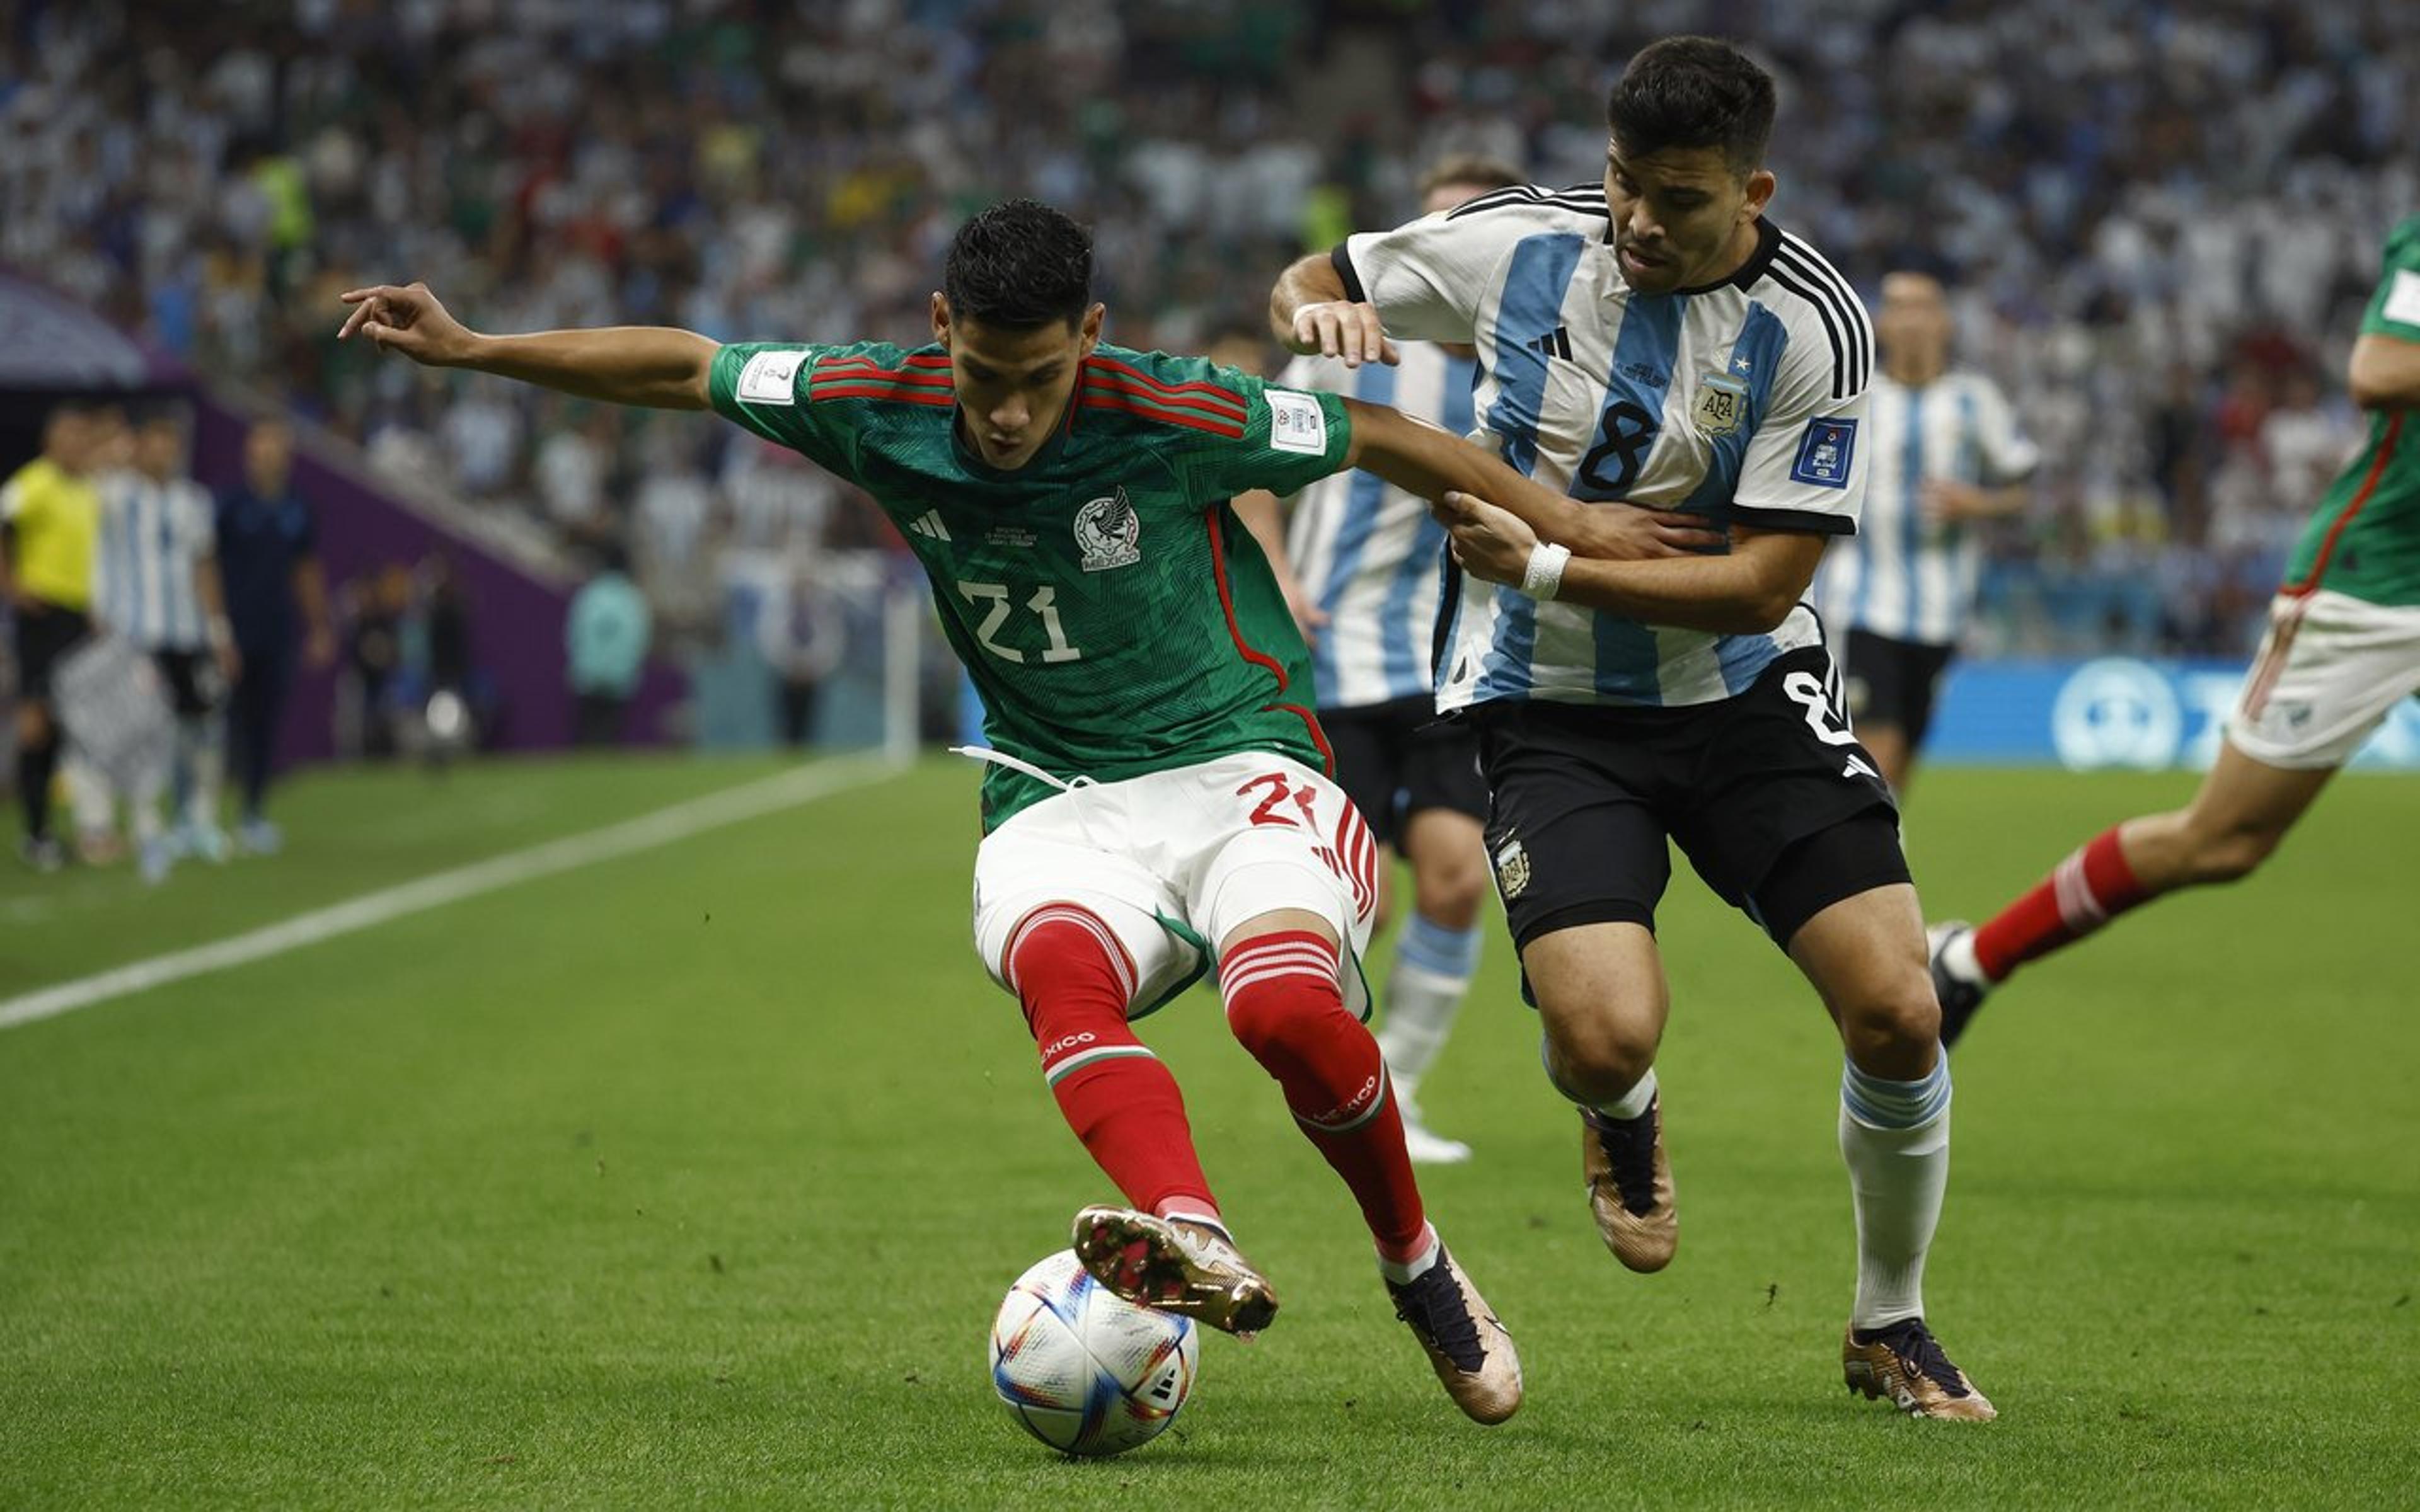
x: 1512, y: 869
x: 1108, y: 533
x: 1722, y: 405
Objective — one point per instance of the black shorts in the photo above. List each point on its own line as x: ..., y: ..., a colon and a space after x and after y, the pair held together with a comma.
x: 195, y: 686
x: 1892, y: 682
x: 1394, y: 760
x: 1774, y: 803
x: 42, y: 642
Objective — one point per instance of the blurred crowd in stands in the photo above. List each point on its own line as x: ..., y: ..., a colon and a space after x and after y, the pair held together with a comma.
x: 2159, y: 220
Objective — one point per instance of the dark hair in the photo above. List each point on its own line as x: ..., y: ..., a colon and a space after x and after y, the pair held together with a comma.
x: 1693, y: 92
x: 1019, y: 266
x: 1476, y: 169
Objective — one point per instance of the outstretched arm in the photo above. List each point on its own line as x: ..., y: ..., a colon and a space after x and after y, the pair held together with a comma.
x: 652, y: 365
x: 1432, y: 463
x: 1746, y: 592
x: 1311, y: 312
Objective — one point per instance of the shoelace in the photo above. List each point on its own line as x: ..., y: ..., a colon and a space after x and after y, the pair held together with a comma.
x: 1629, y: 1147
x: 1920, y: 1352
x: 1433, y: 1304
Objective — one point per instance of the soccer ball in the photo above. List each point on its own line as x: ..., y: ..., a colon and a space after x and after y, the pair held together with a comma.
x: 1086, y: 1371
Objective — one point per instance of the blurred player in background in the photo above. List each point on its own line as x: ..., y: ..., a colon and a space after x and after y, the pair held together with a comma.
x: 268, y: 560
x: 109, y: 457
x: 157, y: 584
x: 606, y: 632
x: 1944, y: 453
x: 1375, y: 563
x: 1156, y: 802
x: 2343, y: 649
x: 49, y: 519
x: 1655, y: 341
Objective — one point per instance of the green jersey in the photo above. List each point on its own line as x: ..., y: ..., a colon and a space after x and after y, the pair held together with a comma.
x: 1114, y: 613
x: 2365, y: 541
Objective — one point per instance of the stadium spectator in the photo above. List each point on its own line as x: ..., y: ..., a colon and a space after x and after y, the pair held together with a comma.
x: 268, y: 560
x: 2114, y: 193
x: 606, y: 636
x: 49, y: 517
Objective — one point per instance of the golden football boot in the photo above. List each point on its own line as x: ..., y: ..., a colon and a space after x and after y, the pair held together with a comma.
x: 1470, y: 1350
x: 1630, y: 1185
x: 1176, y: 1265
x: 1903, y: 1365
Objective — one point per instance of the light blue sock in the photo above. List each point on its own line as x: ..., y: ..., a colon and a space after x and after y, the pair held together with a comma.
x: 1424, y: 991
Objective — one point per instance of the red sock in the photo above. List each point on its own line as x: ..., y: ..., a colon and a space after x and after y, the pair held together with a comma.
x: 1283, y: 1004
x: 2086, y: 890
x: 1076, y: 981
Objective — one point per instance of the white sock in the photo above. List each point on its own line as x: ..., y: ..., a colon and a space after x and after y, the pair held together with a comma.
x: 1403, y: 1273
x: 1424, y: 991
x: 1633, y: 1102
x: 203, y: 756
x: 1957, y: 959
x: 1895, y: 1138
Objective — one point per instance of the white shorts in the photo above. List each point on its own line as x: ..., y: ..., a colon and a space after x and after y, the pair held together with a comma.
x: 1172, y: 861
x: 2330, y: 671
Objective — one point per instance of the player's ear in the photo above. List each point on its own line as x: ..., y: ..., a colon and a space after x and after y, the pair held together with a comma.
x: 940, y: 318
x: 1760, y: 185
x: 1089, y: 332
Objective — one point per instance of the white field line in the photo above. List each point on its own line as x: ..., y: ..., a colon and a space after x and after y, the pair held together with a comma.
x: 715, y: 811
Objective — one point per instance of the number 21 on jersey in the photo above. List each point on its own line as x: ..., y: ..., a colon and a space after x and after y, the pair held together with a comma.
x: 998, y: 601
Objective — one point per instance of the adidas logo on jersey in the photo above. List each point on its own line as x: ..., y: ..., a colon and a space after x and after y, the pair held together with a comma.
x: 1555, y: 342
x: 930, y: 526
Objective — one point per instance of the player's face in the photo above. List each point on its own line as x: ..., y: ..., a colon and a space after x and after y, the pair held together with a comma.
x: 268, y: 456
x: 1912, y: 323
x: 159, y: 450
x: 1682, y: 217
x: 1013, y: 386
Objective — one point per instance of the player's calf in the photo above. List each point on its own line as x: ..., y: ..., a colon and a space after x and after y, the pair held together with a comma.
x: 1286, y: 1008
x: 1075, y: 983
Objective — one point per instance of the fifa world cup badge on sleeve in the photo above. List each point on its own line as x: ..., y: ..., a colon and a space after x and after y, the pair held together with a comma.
x: 1824, y: 454
x: 771, y: 378
x: 2402, y: 304
x: 1297, y: 423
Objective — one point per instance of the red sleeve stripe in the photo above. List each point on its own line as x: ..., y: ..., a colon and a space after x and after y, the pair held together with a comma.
x: 1103, y: 382
x: 1094, y: 399
x: 1215, y: 391
x: 902, y: 392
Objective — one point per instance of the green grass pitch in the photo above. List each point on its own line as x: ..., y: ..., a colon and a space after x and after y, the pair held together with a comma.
x: 692, y: 1179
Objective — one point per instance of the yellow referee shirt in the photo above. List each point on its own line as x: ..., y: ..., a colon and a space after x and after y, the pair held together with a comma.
x: 56, y: 518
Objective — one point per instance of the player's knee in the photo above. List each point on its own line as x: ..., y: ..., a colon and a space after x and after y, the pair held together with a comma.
x: 1895, y: 1023
x: 1450, y: 893
x: 1600, y: 1058
x: 1059, y: 962
x: 2232, y: 854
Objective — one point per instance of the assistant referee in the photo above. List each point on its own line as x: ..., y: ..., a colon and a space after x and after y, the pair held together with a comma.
x: 50, y: 516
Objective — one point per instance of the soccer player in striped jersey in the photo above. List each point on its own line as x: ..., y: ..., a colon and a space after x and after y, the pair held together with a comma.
x: 1156, y: 802
x: 1363, y: 562
x: 1944, y: 453
x: 2343, y: 649
x: 1657, y: 341
x: 156, y: 582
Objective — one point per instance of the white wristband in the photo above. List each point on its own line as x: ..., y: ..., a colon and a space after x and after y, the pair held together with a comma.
x: 1544, y: 574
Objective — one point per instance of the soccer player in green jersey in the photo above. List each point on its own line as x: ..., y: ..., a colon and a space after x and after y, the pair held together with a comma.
x: 2343, y: 649
x: 1157, y: 799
